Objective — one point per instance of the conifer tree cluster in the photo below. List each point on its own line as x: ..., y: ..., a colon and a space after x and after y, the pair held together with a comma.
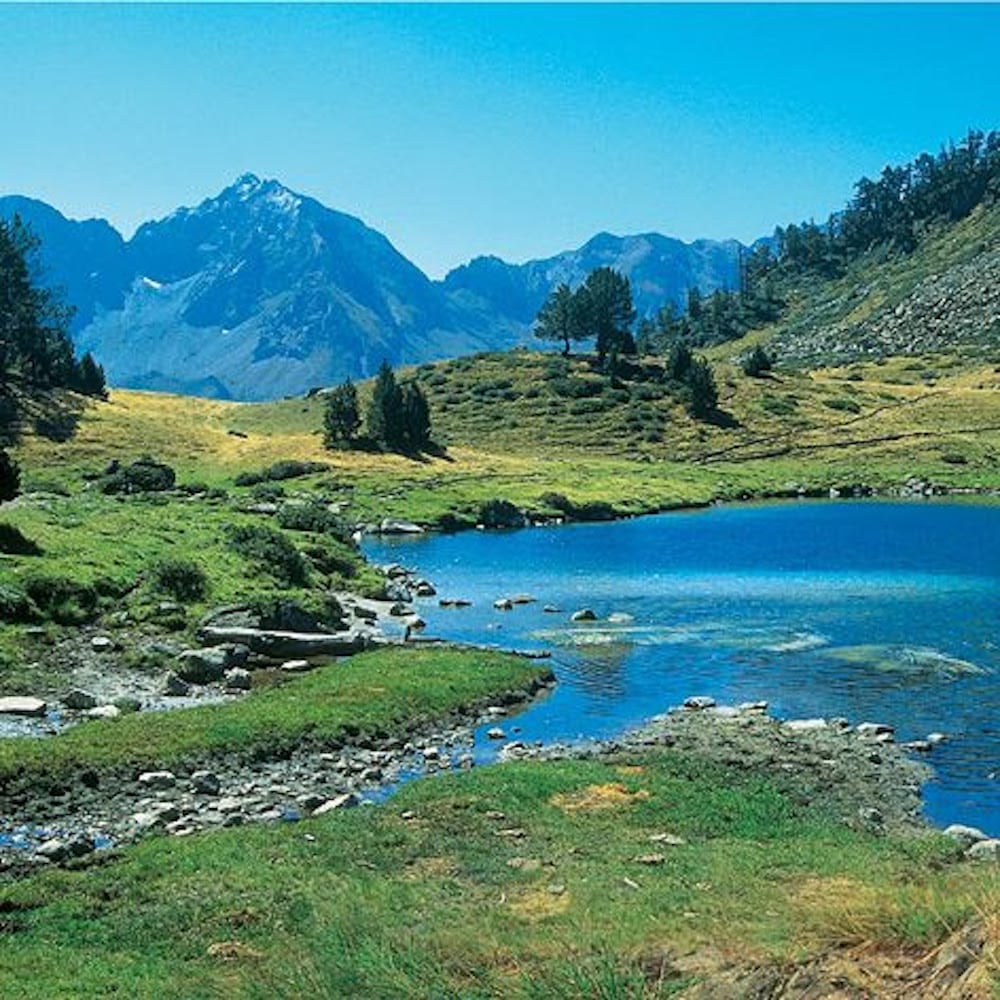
x: 600, y: 309
x: 397, y: 417
x: 35, y: 348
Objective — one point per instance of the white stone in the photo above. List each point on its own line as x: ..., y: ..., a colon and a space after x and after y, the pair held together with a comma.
x: 805, y: 725
x: 17, y: 705
x: 158, y: 779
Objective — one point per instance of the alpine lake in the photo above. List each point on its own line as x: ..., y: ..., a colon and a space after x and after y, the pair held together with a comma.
x: 870, y: 610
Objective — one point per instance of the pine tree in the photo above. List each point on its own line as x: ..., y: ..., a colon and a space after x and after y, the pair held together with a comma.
x: 34, y: 338
x: 385, y: 411
x: 88, y: 377
x: 703, y: 396
x: 609, y: 311
x: 342, y: 417
x: 416, y: 418
x: 562, y: 317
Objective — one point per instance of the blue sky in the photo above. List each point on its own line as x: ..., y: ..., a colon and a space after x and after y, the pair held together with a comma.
x: 516, y: 130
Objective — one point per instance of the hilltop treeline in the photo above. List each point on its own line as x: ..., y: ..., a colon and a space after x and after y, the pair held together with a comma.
x: 890, y: 213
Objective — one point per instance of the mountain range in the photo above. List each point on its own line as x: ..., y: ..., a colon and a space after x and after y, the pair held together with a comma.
x: 261, y: 292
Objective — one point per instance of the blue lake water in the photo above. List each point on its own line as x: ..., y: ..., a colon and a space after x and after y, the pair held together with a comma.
x: 877, y: 611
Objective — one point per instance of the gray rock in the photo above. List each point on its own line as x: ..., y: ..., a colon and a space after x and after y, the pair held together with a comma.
x: 874, y: 730
x: 523, y: 599
x: 202, y: 666
x: 935, y: 738
x: 415, y: 622
x: 344, y: 801
x: 297, y: 666
x: 148, y: 820
x: 205, y: 783
x: 102, y: 644
x: 399, y: 610
x: 496, y: 733
x: 158, y: 779
x: 965, y: 834
x: 454, y: 602
x: 583, y: 615
x: 238, y: 679
x: 174, y: 687
x: 805, y: 725
x: 620, y: 618
x: 699, y: 701
x: 552, y: 609
x: 390, y: 527
x: 424, y: 588
x: 104, y: 712
x: 503, y: 604
x: 310, y: 802
x: 984, y: 850
x: 398, y: 592
x: 18, y: 705
x: 79, y: 700
x: 280, y: 645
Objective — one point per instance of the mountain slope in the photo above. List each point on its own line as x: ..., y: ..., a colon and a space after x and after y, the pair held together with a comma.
x: 942, y: 297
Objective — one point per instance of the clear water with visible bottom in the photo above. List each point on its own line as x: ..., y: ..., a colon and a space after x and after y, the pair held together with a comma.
x: 877, y: 611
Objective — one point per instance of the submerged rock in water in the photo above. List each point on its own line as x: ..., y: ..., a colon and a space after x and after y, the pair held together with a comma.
x: 909, y: 661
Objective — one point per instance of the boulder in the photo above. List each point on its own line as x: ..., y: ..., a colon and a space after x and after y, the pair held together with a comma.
x: 398, y: 592
x: 984, y: 850
x: 202, y: 666
x: 297, y: 666
x: 205, y: 783
x: 424, y: 588
x: 805, y: 725
x: 503, y: 604
x: 415, y: 622
x: 18, y: 705
x: 399, y: 610
x: 965, y: 834
x: 238, y: 679
x: 874, y: 730
x: 583, y: 615
x: 620, y: 618
x: 454, y: 602
x: 291, y: 645
x: 174, y: 687
x: 699, y: 701
x: 79, y: 700
x: 104, y: 712
x: 344, y: 801
x: 56, y: 849
x: 523, y: 599
x: 158, y: 780
x: 391, y: 527
x: 102, y: 644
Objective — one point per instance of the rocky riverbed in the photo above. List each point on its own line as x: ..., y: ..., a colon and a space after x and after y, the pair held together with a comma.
x: 93, y: 810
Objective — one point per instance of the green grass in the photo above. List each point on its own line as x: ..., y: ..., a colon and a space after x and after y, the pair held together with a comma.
x: 380, y: 691
x: 420, y: 898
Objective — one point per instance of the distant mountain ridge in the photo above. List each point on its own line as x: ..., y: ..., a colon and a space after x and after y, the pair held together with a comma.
x: 261, y: 292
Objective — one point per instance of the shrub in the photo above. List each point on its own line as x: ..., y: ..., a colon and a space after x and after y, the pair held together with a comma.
x: 181, y: 578
x: 594, y: 510
x: 15, y: 605
x: 757, y: 362
x: 500, y: 514
x: 65, y: 601
x: 577, y: 388
x: 316, y: 518
x: 14, y: 543
x: 286, y: 469
x: 846, y: 405
x: 272, y: 551
x: 145, y: 475
x: 10, y: 477
x: 310, y: 613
